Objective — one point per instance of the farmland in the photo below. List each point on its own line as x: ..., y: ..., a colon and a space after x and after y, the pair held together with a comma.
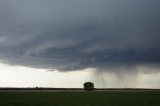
x: 81, y: 98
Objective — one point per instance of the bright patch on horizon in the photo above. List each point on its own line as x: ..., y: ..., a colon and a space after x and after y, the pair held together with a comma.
x: 18, y: 76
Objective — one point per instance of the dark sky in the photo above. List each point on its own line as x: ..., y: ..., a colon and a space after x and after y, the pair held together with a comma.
x: 78, y: 34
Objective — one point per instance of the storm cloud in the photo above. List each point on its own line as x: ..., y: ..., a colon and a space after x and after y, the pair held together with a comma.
x: 78, y: 34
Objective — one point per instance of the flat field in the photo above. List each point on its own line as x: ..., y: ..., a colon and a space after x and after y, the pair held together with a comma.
x: 80, y: 98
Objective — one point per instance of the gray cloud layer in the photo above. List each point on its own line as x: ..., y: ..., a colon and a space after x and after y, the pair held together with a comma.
x: 78, y: 34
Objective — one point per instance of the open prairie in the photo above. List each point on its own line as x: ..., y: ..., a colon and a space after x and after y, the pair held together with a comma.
x: 81, y: 98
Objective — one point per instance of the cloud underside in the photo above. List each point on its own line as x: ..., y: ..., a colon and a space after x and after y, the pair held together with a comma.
x: 80, y: 34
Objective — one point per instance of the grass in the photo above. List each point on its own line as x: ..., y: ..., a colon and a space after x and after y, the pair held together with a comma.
x: 80, y: 98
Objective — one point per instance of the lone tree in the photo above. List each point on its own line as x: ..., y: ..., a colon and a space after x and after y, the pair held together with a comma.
x: 88, y: 86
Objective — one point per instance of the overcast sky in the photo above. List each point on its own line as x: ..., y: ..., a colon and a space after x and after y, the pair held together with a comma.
x: 118, y: 37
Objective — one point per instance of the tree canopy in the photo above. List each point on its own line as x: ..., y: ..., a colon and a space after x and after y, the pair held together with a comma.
x: 88, y: 86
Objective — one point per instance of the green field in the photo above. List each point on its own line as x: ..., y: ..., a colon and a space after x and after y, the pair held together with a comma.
x: 124, y: 98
